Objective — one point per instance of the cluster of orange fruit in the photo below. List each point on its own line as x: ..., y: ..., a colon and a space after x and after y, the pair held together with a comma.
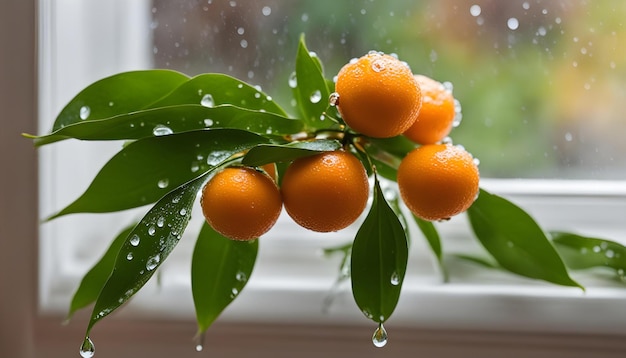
x: 377, y: 96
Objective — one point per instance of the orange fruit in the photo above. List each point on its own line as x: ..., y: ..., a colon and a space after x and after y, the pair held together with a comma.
x: 438, y: 181
x: 325, y: 192
x: 241, y: 203
x: 378, y: 95
x: 435, y: 119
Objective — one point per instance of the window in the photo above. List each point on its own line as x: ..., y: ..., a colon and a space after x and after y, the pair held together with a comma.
x: 540, y: 84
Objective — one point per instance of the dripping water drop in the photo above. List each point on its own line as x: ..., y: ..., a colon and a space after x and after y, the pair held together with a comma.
x: 380, y: 336
x: 87, y: 349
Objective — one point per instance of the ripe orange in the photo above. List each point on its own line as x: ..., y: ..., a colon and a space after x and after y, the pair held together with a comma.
x: 438, y: 181
x: 325, y: 192
x: 434, y: 121
x: 378, y: 95
x: 241, y: 203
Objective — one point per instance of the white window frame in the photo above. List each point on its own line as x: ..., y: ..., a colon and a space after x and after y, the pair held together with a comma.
x: 292, y: 279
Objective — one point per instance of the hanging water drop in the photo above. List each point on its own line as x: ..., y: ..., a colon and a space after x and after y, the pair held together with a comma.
x: 207, y: 100
x: 293, y: 80
x: 85, y: 111
x: 87, y: 349
x: 316, y: 96
x: 380, y: 336
x: 161, y: 130
x: 199, y: 340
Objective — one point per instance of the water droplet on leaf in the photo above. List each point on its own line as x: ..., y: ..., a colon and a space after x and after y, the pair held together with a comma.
x: 395, y: 279
x: 163, y: 183
x: 316, y: 96
x: 85, y: 111
x: 207, y: 100
x: 153, y: 262
x: 160, y: 130
x: 134, y: 240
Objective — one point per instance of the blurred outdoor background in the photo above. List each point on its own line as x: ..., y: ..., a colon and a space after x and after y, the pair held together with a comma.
x: 542, y: 83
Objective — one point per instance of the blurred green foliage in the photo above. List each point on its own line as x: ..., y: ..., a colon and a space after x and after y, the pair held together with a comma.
x: 541, y: 96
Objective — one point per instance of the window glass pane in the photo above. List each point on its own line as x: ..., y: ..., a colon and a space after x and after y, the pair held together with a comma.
x: 540, y: 82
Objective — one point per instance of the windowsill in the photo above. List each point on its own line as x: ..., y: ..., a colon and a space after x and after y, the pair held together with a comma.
x: 292, y: 278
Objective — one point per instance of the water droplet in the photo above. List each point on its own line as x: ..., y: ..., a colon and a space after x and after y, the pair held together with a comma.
x: 395, y: 279
x: 176, y: 199
x: 234, y: 292
x: 151, y: 230
x: 243, y: 43
x: 333, y: 100
x: 512, y: 23
x: 378, y: 66
x: 87, y: 349
x: 380, y: 336
x: 476, y: 161
x: 609, y: 254
x: 241, y: 31
x: 475, y: 10
x: 135, y: 240
x: 208, y: 122
x: 160, y: 221
x: 447, y: 141
x: 316, y: 96
x: 195, y: 167
x: 85, y: 111
x: 596, y: 249
x: 257, y: 95
x: 293, y: 80
x: 240, y: 276
x: 199, y: 340
x: 266, y: 11
x: 163, y: 183
x: 153, y: 262
x: 183, y: 212
x: 368, y: 314
x: 160, y: 130
x: 129, y: 256
x: 111, y: 104
x: 207, y: 100
x: 458, y: 115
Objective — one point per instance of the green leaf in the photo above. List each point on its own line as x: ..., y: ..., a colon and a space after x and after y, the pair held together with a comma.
x: 311, y: 93
x: 272, y: 153
x: 121, y: 93
x: 220, y: 269
x: 580, y: 252
x: 214, y: 89
x: 398, y: 146
x: 516, y: 241
x: 92, y: 283
x: 146, y: 248
x: 379, y: 260
x: 432, y: 237
x: 179, y: 118
x: 145, y: 170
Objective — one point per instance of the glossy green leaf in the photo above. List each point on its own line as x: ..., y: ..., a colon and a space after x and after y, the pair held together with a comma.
x: 147, y: 169
x: 311, y: 93
x: 179, y: 118
x: 434, y: 241
x: 214, y: 89
x: 220, y: 269
x: 516, y: 241
x: 121, y: 93
x: 92, y: 283
x: 580, y: 252
x: 379, y: 260
x: 146, y: 248
x: 272, y: 153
